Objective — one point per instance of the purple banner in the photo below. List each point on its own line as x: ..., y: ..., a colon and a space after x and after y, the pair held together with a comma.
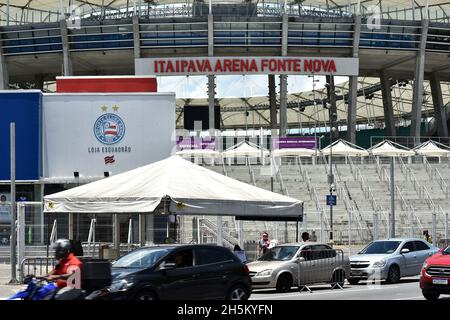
x: 193, y: 143
x: 294, y: 142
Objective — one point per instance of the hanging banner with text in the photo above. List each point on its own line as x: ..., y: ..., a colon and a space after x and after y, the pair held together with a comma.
x: 294, y: 142
x: 193, y: 143
x: 247, y: 65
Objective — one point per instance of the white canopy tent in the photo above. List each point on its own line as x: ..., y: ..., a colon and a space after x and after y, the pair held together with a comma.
x: 245, y: 149
x: 294, y: 152
x: 189, y: 188
x: 432, y: 148
x: 344, y: 148
x: 387, y: 148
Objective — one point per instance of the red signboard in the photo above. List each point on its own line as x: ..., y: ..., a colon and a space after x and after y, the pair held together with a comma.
x: 106, y: 84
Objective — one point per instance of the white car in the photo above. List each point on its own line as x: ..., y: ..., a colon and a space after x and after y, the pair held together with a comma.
x: 390, y: 259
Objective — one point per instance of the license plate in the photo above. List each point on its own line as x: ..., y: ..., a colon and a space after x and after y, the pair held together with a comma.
x: 440, y: 281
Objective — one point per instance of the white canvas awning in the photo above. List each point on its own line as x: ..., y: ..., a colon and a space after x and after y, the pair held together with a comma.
x: 344, y: 148
x: 389, y: 148
x: 294, y: 152
x: 191, y: 189
x: 432, y: 148
x: 245, y: 149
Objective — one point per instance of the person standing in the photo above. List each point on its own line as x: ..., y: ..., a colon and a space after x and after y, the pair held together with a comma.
x: 305, y: 236
x: 427, y: 237
x: 263, y: 244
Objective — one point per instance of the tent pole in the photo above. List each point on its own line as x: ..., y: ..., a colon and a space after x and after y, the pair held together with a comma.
x: 142, y: 229
x: 296, y: 229
x: 48, y: 233
x: 116, y: 229
x: 71, y: 225
x: 219, y: 231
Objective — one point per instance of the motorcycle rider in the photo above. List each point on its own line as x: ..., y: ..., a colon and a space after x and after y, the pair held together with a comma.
x: 68, y: 267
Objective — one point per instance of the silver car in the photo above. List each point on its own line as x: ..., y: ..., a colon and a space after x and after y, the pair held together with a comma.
x: 299, y: 264
x: 390, y: 259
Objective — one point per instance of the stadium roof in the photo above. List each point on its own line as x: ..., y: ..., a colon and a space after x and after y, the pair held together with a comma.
x: 253, y: 112
x: 54, y: 5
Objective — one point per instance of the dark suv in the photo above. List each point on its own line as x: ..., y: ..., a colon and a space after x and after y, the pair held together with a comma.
x: 176, y: 272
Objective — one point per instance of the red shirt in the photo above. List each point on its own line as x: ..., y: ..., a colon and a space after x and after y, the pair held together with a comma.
x: 66, y: 266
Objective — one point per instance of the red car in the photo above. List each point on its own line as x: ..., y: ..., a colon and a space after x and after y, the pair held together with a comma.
x: 435, y: 275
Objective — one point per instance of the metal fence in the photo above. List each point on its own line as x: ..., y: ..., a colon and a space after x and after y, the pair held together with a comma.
x: 322, y: 266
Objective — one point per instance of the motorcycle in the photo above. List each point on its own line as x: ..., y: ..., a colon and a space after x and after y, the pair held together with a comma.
x: 39, y: 288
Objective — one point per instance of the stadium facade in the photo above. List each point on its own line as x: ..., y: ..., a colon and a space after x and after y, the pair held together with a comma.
x: 404, y: 42
x: 401, y: 54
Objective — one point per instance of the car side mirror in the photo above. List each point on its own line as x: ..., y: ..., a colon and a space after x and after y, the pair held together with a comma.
x: 168, y: 266
x: 300, y: 259
x: 405, y: 250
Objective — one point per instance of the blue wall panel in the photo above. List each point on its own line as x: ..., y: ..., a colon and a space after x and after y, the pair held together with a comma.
x: 23, y: 108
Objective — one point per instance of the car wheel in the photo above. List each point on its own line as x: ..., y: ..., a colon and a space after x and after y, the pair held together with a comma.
x: 431, y: 296
x: 353, y: 281
x: 393, y: 274
x: 145, y: 295
x: 338, y: 279
x: 284, y: 283
x: 237, y: 292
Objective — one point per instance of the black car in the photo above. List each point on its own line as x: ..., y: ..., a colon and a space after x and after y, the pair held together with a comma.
x: 176, y: 272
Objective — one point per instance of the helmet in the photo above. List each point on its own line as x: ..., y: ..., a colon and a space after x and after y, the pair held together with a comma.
x: 62, y: 248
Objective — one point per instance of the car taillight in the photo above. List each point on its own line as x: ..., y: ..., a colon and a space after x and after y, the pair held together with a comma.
x: 246, y: 269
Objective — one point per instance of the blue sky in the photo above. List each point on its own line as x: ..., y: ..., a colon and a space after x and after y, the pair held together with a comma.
x: 235, y: 86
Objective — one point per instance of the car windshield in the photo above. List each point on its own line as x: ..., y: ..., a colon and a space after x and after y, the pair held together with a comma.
x: 446, y: 251
x: 380, y: 247
x: 282, y: 253
x: 142, y: 258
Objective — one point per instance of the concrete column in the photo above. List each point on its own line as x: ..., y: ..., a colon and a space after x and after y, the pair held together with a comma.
x: 333, y: 107
x: 4, y: 77
x: 211, y: 78
x: 136, y: 38
x: 440, y: 113
x: 273, y: 105
x: 211, y: 100
x: 387, y: 104
x: 416, y: 112
x: 283, y: 78
x: 353, y: 86
x: 283, y: 105
x: 67, y: 61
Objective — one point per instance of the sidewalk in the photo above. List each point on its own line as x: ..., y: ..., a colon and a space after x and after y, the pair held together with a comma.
x: 7, y: 290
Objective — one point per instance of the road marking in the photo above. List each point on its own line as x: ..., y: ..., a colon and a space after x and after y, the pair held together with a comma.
x: 293, y: 294
x: 410, y: 298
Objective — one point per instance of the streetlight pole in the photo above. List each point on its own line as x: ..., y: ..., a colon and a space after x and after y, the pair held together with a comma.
x: 392, y: 187
x: 331, y: 182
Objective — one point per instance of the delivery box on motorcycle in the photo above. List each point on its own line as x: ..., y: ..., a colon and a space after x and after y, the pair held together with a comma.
x: 95, y: 274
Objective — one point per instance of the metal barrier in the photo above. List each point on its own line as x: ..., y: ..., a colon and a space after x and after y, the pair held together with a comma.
x: 38, y: 266
x: 322, y: 266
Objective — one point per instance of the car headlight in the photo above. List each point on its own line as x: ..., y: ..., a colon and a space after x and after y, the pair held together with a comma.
x: 425, y: 264
x: 121, y: 285
x: 264, y: 273
x: 379, y: 264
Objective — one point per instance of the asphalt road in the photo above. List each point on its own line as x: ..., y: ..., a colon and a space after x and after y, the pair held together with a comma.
x: 406, y: 289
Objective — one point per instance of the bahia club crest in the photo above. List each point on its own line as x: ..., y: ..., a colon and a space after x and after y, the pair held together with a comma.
x: 109, y: 128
